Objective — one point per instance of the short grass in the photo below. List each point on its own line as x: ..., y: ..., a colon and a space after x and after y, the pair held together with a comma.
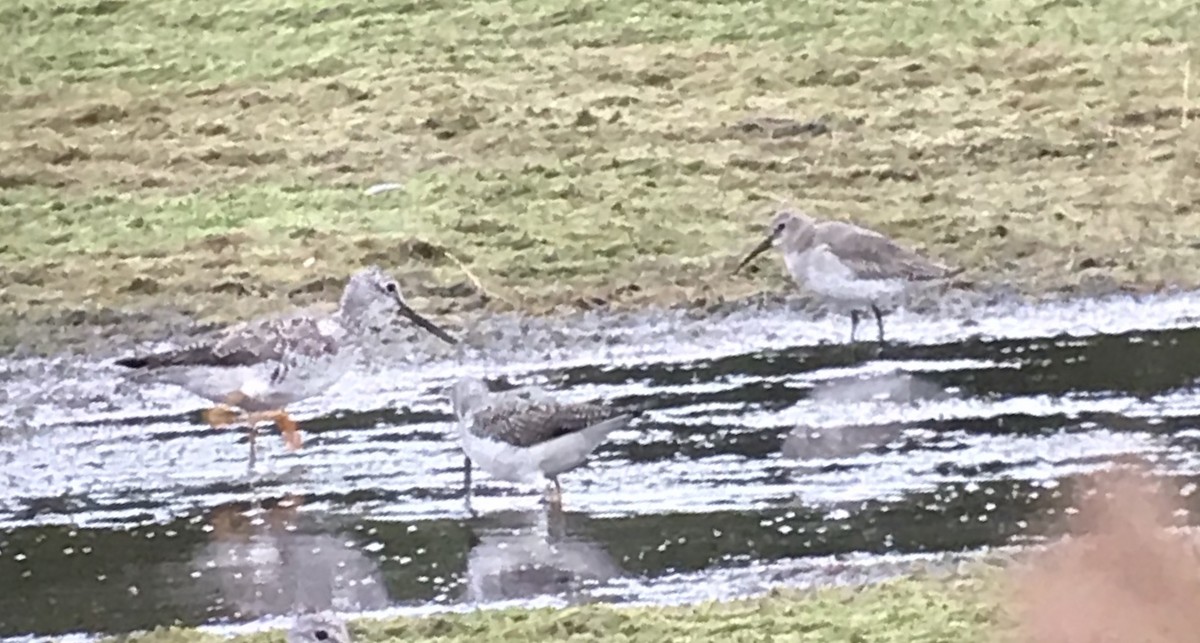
x: 901, y: 611
x: 212, y: 156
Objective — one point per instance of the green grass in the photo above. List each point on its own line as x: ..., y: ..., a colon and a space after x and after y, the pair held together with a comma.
x: 178, y: 42
x: 908, y: 611
x: 211, y: 157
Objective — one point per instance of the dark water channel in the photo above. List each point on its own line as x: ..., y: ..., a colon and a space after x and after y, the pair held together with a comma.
x: 765, y: 459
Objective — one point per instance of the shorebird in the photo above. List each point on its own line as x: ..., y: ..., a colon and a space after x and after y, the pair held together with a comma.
x: 261, y: 366
x: 846, y: 264
x: 315, y: 628
x: 519, y: 436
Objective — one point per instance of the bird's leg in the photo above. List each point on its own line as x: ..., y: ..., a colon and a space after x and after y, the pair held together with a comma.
x: 467, y: 477
x: 556, y: 524
x: 467, y: 488
x: 291, y: 430
x: 252, y: 422
x: 226, y: 412
x: 853, y: 323
x: 554, y: 494
x: 878, y: 320
x: 220, y: 416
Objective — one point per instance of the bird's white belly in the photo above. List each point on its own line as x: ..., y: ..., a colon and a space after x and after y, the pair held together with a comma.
x: 827, y: 276
x: 500, y: 459
x: 546, y: 459
x: 302, y: 383
x: 262, y: 390
x: 215, y: 383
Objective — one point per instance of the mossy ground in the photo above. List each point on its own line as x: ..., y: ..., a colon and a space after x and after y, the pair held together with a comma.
x: 211, y: 158
x: 906, y: 610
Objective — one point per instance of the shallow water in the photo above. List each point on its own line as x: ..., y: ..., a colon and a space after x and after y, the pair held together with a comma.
x: 770, y: 455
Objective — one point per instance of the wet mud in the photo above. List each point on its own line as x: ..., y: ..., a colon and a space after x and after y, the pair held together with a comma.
x: 771, y: 454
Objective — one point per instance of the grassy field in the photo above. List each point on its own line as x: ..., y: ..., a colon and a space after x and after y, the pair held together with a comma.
x: 211, y: 157
x: 948, y: 611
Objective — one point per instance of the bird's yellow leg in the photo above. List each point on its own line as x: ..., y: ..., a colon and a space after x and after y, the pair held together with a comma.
x: 253, y: 429
x: 226, y: 413
x: 288, y: 426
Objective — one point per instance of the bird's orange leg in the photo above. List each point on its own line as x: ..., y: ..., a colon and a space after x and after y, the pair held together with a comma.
x: 291, y: 430
x: 226, y: 413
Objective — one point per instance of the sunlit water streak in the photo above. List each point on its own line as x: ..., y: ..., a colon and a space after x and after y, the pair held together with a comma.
x: 763, y: 454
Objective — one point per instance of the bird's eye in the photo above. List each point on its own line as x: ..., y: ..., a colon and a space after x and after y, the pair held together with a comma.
x: 391, y: 287
x: 322, y: 635
x: 780, y: 226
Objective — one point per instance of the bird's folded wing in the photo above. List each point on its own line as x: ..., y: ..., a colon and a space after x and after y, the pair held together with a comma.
x: 874, y: 256
x: 524, y: 423
x: 246, y: 344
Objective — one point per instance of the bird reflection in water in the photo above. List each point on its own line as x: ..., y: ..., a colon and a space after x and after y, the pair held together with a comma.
x: 531, y: 554
x: 268, y: 560
x: 876, y: 395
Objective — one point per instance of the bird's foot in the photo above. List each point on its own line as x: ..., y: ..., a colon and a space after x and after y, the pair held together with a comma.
x: 290, y: 429
x: 226, y: 412
x: 287, y: 426
x: 219, y: 416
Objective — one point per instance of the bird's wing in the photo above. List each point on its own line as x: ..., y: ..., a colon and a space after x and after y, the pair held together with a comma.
x: 523, y: 422
x: 873, y: 256
x: 255, y: 342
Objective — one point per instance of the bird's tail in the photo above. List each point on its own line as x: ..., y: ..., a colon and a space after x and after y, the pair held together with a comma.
x: 570, y: 450
x: 952, y: 272
x: 952, y: 278
x: 633, y: 409
x: 599, y: 430
x: 132, y: 362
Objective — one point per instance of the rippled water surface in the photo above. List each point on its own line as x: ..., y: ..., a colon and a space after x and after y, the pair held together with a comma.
x: 771, y: 454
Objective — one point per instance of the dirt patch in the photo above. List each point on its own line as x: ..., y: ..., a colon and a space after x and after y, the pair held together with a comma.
x: 1121, y: 576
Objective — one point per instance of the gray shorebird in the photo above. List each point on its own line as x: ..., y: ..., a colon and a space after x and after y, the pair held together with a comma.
x: 520, y: 436
x: 262, y: 365
x: 846, y: 264
x: 321, y: 627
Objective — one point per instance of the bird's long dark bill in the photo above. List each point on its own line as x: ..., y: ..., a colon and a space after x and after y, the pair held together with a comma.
x: 759, y: 249
x: 417, y: 319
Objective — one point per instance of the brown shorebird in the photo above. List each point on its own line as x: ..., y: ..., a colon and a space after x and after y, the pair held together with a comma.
x: 845, y: 264
x: 523, y: 435
x: 262, y: 365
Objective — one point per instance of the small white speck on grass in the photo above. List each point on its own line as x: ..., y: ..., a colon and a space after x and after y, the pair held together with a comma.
x: 308, y: 263
x: 380, y: 188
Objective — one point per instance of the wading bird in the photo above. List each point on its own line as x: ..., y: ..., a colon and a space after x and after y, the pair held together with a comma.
x: 845, y: 264
x: 262, y: 365
x: 520, y: 436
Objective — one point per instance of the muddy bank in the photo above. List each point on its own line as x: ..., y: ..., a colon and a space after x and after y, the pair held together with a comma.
x: 767, y: 444
x: 629, y: 173
x: 103, y: 332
